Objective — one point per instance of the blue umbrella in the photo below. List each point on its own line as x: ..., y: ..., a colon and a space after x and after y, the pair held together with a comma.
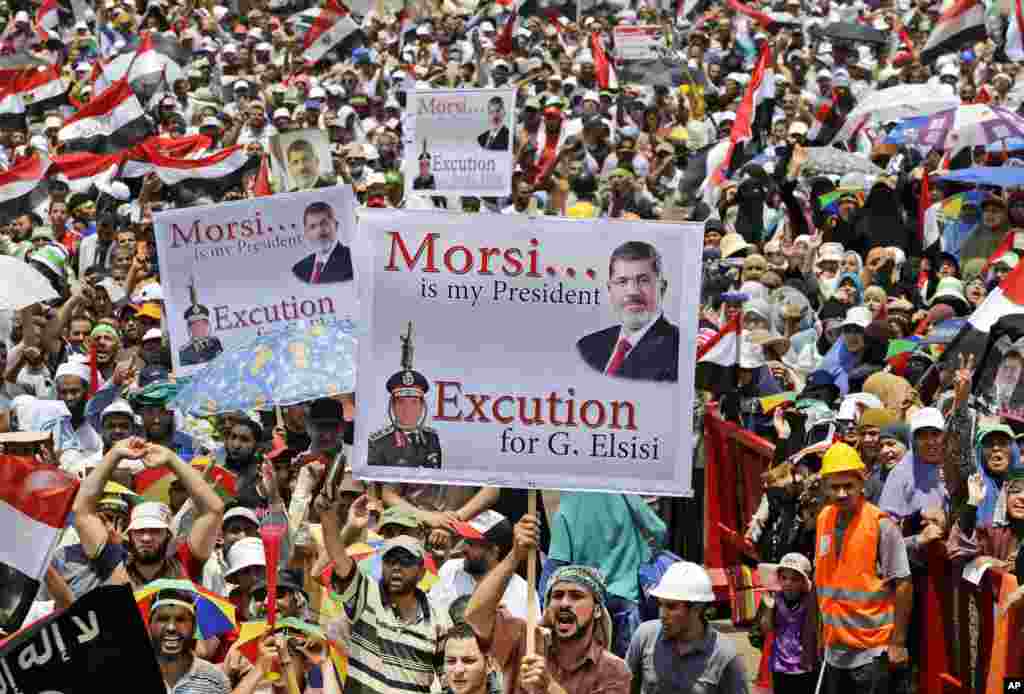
x: 1001, y: 176
x: 281, y: 368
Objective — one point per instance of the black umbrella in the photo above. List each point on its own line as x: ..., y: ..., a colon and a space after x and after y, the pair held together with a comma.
x: 854, y: 33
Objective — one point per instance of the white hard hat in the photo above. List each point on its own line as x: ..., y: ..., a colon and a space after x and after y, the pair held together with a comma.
x: 685, y: 582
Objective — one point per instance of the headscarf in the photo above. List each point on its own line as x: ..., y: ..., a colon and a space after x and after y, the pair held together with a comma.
x: 857, y: 284
x: 889, y: 388
x: 995, y: 495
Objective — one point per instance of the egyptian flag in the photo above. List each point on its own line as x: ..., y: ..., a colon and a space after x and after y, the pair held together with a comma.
x: 212, y: 175
x: 112, y: 121
x: 261, y: 184
x: 23, y: 187
x: 1000, y: 314
x: 758, y: 102
x: 758, y: 17
x: 30, y: 92
x: 717, y: 353
x: 188, y: 147
x: 83, y: 170
x: 332, y: 26
x: 35, y: 500
x: 605, y: 71
x: 48, y: 16
x: 962, y: 24
x: 505, y: 43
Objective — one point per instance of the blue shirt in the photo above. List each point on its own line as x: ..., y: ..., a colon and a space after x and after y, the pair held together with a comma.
x: 912, y: 487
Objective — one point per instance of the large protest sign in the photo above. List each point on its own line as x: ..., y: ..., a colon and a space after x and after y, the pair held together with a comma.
x: 640, y: 42
x: 96, y: 643
x: 236, y: 270
x: 492, y: 354
x: 459, y: 142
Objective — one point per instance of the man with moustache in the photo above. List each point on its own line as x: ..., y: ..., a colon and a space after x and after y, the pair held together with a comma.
x: 486, y: 539
x: 151, y: 554
x: 577, y: 659
x: 172, y: 628
x: 644, y: 346
x: 331, y: 261
x: 400, y: 630
x: 862, y: 578
x: 679, y: 649
x: 304, y: 167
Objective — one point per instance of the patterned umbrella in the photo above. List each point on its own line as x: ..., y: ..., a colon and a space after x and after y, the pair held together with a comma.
x: 282, y: 368
x: 970, y: 125
x: 214, y: 615
x: 250, y: 634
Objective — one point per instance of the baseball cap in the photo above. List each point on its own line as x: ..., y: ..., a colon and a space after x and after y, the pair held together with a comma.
x: 150, y: 515
x: 406, y: 542
x: 927, y: 418
x: 488, y: 526
x: 152, y: 334
x: 241, y: 512
x: 393, y: 515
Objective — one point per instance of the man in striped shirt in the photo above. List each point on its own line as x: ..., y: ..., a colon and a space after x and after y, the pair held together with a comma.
x: 396, y: 641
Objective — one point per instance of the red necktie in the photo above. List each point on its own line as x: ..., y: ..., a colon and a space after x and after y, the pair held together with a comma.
x: 317, y: 267
x: 621, y: 350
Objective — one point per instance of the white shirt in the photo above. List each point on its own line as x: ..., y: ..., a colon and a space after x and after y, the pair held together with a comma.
x: 453, y: 581
x: 634, y: 338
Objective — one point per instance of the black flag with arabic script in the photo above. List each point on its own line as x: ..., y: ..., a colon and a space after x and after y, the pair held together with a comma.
x: 100, y: 643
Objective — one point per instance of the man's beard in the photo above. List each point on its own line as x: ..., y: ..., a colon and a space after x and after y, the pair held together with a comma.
x: 238, y: 459
x: 320, y: 246
x: 77, y: 409
x: 149, y: 558
x: 634, y: 320
x: 476, y: 566
x: 579, y: 633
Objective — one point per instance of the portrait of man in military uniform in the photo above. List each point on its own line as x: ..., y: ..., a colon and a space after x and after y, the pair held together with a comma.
x: 407, y: 441
x: 201, y: 346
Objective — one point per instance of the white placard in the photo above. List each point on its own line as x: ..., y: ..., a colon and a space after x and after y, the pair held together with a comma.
x: 513, y: 334
x: 459, y: 142
x: 642, y: 42
x: 252, y: 267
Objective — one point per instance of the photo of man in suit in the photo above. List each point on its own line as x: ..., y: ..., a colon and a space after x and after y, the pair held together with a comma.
x: 496, y: 138
x: 331, y: 260
x: 304, y: 167
x: 643, y: 346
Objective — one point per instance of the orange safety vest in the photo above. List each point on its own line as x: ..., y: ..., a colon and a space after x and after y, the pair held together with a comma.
x: 857, y: 610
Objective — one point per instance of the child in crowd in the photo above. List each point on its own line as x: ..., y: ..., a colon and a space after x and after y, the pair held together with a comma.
x: 792, y: 614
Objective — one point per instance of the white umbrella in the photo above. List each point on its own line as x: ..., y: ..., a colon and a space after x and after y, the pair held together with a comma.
x: 22, y: 285
x: 829, y: 160
x: 897, y: 103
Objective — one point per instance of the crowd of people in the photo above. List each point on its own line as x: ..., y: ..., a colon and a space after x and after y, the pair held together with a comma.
x: 884, y: 446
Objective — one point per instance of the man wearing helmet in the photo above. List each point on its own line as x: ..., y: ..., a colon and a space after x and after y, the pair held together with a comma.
x: 862, y: 576
x: 680, y: 648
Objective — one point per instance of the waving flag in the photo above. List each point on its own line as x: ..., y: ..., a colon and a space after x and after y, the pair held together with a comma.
x: 30, y: 92
x: 214, y: 173
x: 35, y: 500
x: 23, y: 187
x: 757, y: 100
x: 112, y: 121
x: 48, y: 16
x: 603, y: 67
x: 331, y: 27
x: 1001, y: 313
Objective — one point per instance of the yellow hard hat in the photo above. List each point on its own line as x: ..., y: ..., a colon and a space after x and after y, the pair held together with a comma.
x: 841, y: 457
